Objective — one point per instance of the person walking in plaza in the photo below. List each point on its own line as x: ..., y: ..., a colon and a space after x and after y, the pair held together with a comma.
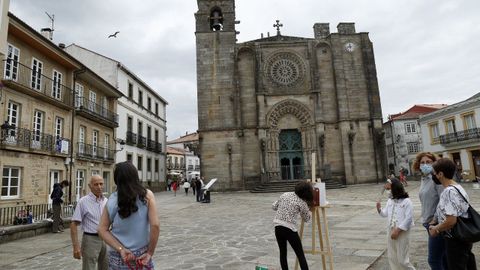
x: 186, y: 186
x: 175, y: 187
x: 199, y: 184
x: 399, y: 210
x: 193, y: 185
x: 288, y: 207
x: 129, y: 222
x: 88, y: 211
x: 453, y: 203
x: 56, y: 196
x: 169, y: 184
x: 429, y: 194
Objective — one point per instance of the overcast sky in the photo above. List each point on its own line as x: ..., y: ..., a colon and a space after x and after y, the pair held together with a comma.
x: 426, y: 51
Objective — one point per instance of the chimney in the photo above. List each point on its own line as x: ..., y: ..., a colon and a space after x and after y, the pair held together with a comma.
x: 321, y: 30
x: 61, y: 45
x: 47, y: 32
x: 268, y: 34
x: 261, y: 35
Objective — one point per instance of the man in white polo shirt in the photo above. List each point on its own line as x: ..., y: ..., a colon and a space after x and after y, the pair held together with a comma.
x: 88, y: 211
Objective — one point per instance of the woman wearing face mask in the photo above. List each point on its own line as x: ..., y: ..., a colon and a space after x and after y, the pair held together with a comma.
x: 452, y: 205
x: 429, y: 194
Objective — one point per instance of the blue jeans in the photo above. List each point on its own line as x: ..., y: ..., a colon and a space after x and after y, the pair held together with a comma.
x: 436, y: 251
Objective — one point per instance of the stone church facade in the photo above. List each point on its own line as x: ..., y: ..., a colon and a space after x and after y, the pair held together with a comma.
x: 266, y: 105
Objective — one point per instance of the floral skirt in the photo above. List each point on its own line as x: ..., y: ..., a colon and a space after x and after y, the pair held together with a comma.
x: 115, y: 261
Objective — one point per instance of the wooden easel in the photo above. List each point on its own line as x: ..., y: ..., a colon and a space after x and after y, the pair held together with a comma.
x: 324, y: 239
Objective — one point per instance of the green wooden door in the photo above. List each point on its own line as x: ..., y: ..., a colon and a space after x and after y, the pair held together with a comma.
x: 290, y: 154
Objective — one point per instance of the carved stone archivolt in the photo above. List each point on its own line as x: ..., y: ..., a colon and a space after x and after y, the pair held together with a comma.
x: 285, y: 69
x: 292, y: 107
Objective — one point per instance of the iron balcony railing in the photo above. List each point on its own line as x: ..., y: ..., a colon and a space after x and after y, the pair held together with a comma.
x: 33, y: 140
x: 83, y: 104
x: 90, y: 151
x: 33, y: 79
x: 460, y: 136
x: 131, y: 138
x: 150, y: 145
x: 141, y: 142
x: 25, y: 214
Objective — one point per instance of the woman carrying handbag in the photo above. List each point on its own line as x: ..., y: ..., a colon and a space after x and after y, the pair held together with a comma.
x: 452, y: 206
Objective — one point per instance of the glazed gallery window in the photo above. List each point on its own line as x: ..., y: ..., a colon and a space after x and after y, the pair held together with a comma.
x: 410, y: 127
x: 37, y: 68
x: 434, y: 131
x: 57, y: 85
x: 10, y: 183
x: 412, y: 147
x: 11, y: 64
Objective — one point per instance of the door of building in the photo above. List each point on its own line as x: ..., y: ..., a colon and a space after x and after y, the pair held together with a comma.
x: 291, y: 154
x: 54, y: 179
x: 476, y: 162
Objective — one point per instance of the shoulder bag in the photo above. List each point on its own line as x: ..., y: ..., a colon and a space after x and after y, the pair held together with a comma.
x: 467, y: 229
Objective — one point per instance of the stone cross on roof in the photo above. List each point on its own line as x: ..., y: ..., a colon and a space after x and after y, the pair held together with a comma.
x: 278, y: 25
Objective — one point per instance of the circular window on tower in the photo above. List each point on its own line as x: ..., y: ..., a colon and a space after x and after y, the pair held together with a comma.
x: 285, y: 69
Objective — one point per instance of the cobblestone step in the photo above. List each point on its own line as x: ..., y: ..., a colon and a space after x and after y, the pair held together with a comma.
x: 285, y: 186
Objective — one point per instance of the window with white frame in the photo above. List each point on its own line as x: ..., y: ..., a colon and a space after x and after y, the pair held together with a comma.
x: 57, y: 85
x: 37, y: 68
x: 10, y: 183
x: 92, y: 101
x: 435, y: 132
x: 410, y: 127
x: 94, y: 142
x: 13, y: 117
x: 412, y: 147
x: 469, y: 121
x: 11, y: 64
x: 37, y: 126
x: 450, y: 126
x: 81, y: 140
x: 58, y: 127
x: 79, y: 94
x: 79, y: 184
x: 106, y: 145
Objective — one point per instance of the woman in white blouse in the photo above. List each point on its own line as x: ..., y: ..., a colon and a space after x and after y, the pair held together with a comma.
x: 289, y: 206
x: 399, y: 210
x: 453, y: 203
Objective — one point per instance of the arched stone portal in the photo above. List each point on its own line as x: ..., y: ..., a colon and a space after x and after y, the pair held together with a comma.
x: 290, y: 141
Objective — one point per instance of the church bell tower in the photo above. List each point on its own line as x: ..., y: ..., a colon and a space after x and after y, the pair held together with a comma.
x: 215, y: 40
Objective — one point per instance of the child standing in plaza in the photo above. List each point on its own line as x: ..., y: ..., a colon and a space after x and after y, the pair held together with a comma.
x: 399, y: 210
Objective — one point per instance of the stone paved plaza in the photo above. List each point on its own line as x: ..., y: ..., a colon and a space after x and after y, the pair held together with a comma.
x: 235, y: 232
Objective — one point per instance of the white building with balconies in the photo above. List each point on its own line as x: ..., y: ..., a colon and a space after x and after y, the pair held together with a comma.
x: 453, y: 132
x: 141, y: 134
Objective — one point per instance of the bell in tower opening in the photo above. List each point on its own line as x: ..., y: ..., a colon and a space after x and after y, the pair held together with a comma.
x: 216, y: 20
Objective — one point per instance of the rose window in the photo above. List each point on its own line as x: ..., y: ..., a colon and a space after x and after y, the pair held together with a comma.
x: 285, y: 69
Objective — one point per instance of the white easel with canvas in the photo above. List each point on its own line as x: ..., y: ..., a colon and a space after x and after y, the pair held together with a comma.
x: 318, y: 215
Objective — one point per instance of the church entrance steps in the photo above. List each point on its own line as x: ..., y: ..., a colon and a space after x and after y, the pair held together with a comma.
x: 285, y: 186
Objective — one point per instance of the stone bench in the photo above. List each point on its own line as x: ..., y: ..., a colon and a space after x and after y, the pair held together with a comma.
x: 11, y: 233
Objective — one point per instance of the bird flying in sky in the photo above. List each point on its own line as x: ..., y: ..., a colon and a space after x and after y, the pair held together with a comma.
x: 114, y: 35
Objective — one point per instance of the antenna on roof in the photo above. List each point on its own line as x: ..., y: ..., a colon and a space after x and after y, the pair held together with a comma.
x: 48, y: 32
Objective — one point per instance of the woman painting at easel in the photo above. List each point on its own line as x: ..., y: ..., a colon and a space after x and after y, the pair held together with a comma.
x: 289, y: 206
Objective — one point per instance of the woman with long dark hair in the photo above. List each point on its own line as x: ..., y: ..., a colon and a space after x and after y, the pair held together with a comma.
x: 289, y: 206
x: 429, y: 195
x: 131, y: 214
